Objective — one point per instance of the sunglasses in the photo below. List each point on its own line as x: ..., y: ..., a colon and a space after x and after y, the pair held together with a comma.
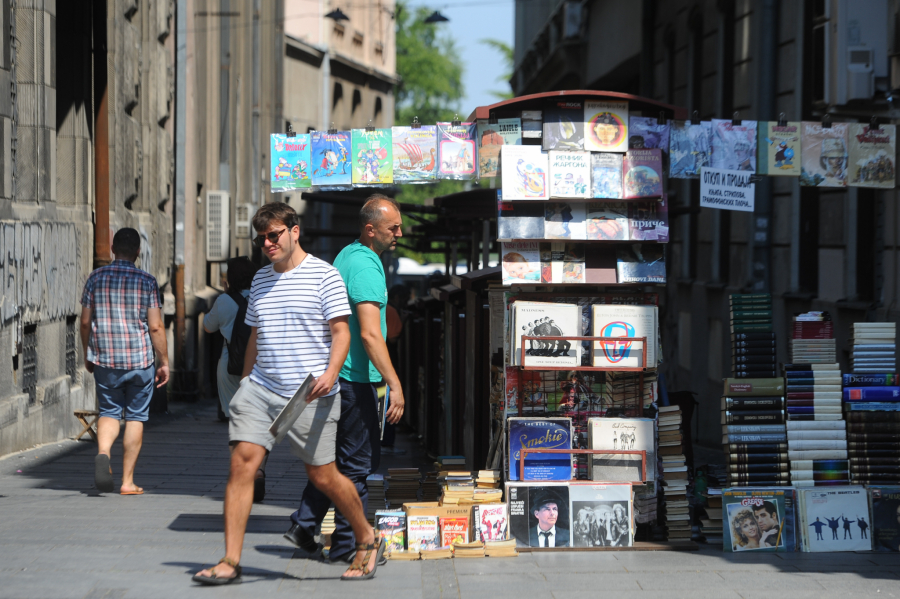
x: 260, y: 240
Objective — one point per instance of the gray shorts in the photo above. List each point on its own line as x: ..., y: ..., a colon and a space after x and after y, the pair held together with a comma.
x: 313, y: 437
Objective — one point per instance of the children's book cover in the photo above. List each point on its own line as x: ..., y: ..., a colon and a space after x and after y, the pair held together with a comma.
x: 570, y: 174
x: 457, y: 151
x: 645, y: 132
x: 606, y: 175
x: 607, y: 221
x: 520, y: 263
x: 779, y: 149
x: 872, y: 155
x: 824, y: 155
x: 689, y: 148
x: 733, y: 146
x: 643, y: 174
x: 290, y: 162
x: 649, y: 221
x: 564, y: 221
x: 331, y: 157
x: 414, y: 153
x: 564, y: 126
x: 373, y: 163
x: 524, y: 173
x: 606, y: 126
x: 491, y: 137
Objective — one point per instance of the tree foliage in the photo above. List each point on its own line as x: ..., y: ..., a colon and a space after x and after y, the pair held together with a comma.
x: 508, y: 57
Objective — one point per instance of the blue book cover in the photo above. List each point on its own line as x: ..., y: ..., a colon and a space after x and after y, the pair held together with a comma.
x: 540, y: 433
x: 871, y: 406
x: 890, y: 394
x: 870, y: 380
x: 331, y: 158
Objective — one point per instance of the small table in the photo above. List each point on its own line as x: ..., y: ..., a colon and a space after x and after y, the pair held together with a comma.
x: 83, y: 416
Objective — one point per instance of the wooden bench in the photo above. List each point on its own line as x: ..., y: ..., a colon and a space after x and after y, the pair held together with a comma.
x: 83, y: 416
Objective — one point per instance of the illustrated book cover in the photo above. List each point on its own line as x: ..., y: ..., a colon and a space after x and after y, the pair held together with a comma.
x: 491, y: 522
x: 564, y: 221
x: 646, y: 133
x: 423, y: 533
x: 780, y: 148
x: 524, y: 173
x: 414, y: 153
x: 546, y: 319
x: 641, y: 263
x: 649, y: 221
x: 733, y: 147
x: 491, y: 136
x: 519, y: 220
x: 331, y: 158
x: 570, y: 174
x: 872, y: 156
x: 290, y: 161
x: 607, y: 221
x: 830, y: 519
x: 622, y: 434
x: 824, y: 154
x: 457, y: 154
x: 606, y: 126
x: 454, y: 531
x: 562, y: 262
x: 625, y: 322
x: 563, y: 126
x: 602, y: 515
x: 391, y: 527
x: 643, y: 176
x: 520, y: 262
x: 373, y: 162
x: 758, y: 520
x: 606, y: 175
x: 689, y: 148
x: 536, y: 508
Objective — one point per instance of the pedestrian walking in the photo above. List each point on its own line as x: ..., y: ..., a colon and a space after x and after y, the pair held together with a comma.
x: 121, y: 327
x: 298, y: 315
x: 368, y: 362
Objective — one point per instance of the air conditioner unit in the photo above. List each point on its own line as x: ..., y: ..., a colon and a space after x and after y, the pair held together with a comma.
x: 856, y: 49
x: 242, y: 214
x: 218, y: 229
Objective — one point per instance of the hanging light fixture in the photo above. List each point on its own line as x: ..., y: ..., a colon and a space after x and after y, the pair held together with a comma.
x: 436, y: 17
x: 337, y: 15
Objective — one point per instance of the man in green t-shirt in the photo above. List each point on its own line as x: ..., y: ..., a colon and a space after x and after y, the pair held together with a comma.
x: 368, y: 363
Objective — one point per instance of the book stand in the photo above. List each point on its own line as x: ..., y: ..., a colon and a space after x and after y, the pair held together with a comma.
x: 523, y: 452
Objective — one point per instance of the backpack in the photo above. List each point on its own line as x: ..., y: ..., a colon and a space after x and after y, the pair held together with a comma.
x: 240, y: 336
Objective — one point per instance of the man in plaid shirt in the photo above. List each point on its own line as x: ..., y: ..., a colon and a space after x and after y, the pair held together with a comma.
x: 121, y: 325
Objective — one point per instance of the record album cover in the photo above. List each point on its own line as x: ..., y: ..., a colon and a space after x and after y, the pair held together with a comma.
x: 540, y: 433
x: 373, y: 162
x: 290, y: 162
x: 627, y: 322
x: 689, y: 148
x: 564, y: 126
x: 733, y: 147
x: 539, y: 514
x: 414, y: 153
x: 547, y: 319
x: 606, y: 175
x: 757, y: 520
x: 824, y: 155
x: 606, y: 126
x: 622, y: 434
x: 602, y: 515
x: 331, y: 158
x: 457, y: 153
x: 872, y: 156
x: 832, y: 519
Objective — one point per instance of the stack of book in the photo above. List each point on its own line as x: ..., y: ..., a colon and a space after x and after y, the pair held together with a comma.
x: 711, y: 517
x: 872, y: 410
x: 483, y: 496
x: 813, y: 391
x: 431, y: 488
x: 818, y: 453
x: 505, y: 548
x: 752, y: 339
x: 754, y: 434
x: 812, y: 339
x: 375, y: 483
x: 674, y: 474
x: 457, y: 486
x: 488, y: 479
x: 874, y: 347
x: 402, y: 486
x: 622, y: 392
x: 473, y: 549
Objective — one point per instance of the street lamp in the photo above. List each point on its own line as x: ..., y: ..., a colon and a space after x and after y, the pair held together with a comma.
x: 436, y: 17
x: 337, y: 15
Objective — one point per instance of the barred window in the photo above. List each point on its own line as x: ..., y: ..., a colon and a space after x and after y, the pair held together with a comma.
x: 29, y: 362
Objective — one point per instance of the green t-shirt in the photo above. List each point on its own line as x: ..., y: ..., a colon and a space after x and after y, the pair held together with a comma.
x: 363, y: 275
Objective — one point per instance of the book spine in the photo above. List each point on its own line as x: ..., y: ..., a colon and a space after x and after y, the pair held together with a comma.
x: 753, y: 337
x: 815, y: 475
x: 765, y: 387
x: 812, y: 381
x: 860, y: 461
x: 816, y: 454
x: 809, y: 426
x: 877, y: 437
x: 753, y: 428
x: 753, y: 374
x: 729, y: 403
x: 793, y: 403
x: 762, y: 416
x: 871, y: 453
x: 816, y: 435
x: 757, y: 477
x: 767, y: 438
x: 822, y: 465
x: 873, y: 427
x: 815, y: 388
x: 751, y: 328
x: 816, y: 417
x: 873, y: 445
x: 871, y: 406
x: 875, y: 468
x: 815, y: 395
x: 807, y: 445
x: 867, y: 417
x: 767, y: 448
x: 811, y: 367
x: 757, y: 458
x: 872, y: 393
x: 758, y: 468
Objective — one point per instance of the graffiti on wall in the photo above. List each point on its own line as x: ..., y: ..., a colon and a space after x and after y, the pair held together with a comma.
x: 39, y: 276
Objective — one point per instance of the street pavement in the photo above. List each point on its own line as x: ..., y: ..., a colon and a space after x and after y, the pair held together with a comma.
x: 59, y: 538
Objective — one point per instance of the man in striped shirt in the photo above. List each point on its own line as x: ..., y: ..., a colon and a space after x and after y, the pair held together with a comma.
x: 298, y: 314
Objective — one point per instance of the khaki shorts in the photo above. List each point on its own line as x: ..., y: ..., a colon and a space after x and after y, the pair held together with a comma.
x: 313, y: 437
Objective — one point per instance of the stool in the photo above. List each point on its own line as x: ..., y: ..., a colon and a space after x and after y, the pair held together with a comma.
x: 83, y: 416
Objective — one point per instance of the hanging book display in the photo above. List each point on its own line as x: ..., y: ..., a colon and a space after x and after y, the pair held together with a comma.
x: 733, y: 146
x: 606, y: 175
x: 414, y: 153
x: 456, y: 151
x: 779, y: 149
x: 570, y: 174
x: 373, y: 163
x: 606, y: 126
x: 643, y: 174
x: 824, y: 155
x: 647, y: 133
x: 873, y: 153
x: 331, y: 158
x: 491, y: 137
x: 689, y: 148
x: 290, y: 162
x: 563, y: 126
x: 524, y: 172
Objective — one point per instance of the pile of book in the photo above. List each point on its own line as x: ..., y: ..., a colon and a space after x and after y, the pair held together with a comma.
x: 711, y: 516
x: 327, y: 527
x: 457, y: 486
x: 488, y: 479
x: 431, y: 488
x: 402, y: 486
x: 872, y: 410
x: 754, y: 434
x: 375, y: 483
x: 505, y: 548
x: 818, y: 453
x: 812, y: 339
x: 752, y: 339
x: 874, y: 347
x: 622, y: 392
x: 674, y: 474
x: 813, y: 391
x: 473, y: 549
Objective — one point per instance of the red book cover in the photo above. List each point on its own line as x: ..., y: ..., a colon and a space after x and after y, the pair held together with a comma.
x: 454, y: 530
x: 643, y: 174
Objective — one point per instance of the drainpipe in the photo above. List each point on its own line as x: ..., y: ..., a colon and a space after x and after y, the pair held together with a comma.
x: 102, y: 252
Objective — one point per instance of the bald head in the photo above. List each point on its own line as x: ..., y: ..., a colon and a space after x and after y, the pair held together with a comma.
x: 380, y: 223
x: 376, y: 209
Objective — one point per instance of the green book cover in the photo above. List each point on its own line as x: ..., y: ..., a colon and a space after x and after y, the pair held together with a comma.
x: 373, y: 162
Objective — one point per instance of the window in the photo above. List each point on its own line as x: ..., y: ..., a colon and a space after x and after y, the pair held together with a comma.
x: 71, y: 347
x: 29, y: 362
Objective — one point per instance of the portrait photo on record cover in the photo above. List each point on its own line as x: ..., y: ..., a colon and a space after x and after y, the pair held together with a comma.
x: 756, y: 526
x: 600, y: 524
x: 549, y: 522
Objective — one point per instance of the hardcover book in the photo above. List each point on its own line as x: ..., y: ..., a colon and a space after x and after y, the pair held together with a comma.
x: 872, y: 156
x: 564, y: 126
x: 331, y: 158
x: 540, y: 433
x: 689, y: 148
x: 454, y: 531
x: 290, y: 162
x: 519, y: 220
x: 524, y: 173
x: 520, y: 262
x: 608, y: 221
x: 391, y: 527
x: 606, y: 175
x: 606, y: 126
x: 779, y: 149
x: 414, y: 153
x: 570, y: 174
x: 643, y: 174
x: 373, y: 162
x: 564, y: 221
x: 825, y: 158
x: 546, y: 319
x: 646, y: 132
x: 830, y: 519
x: 531, y: 512
x: 625, y: 322
x: 758, y: 520
x: 733, y: 147
x: 602, y: 515
x: 457, y: 153
x: 491, y: 522
x: 641, y: 263
x: 884, y: 503
x: 622, y: 434
x: 491, y: 136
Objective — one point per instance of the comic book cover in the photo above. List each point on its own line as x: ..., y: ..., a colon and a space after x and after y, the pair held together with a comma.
x: 645, y: 132
x: 457, y: 153
x: 688, y: 148
x: 373, y: 162
x: 606, y: 126
x: 491, y: 522
x: 779, y: 149
x: 564, y: 221
x: 423, y: 533
x: 824, y: 155
x: 564, y: 126
x: 570, y: 174
x: 454, y: 530
x: 643, y: 174
x: 414, y: 153
x: 520, y: 262
x: 524, y: 173
x: 491, y: 136
x: 649, y: 221
x: 391, y: 528
x: 872, y: 155
x: 290, y: 162
x: 607, y: 221
x: 331, y: 158
x: 733, y: 147
x: 606, y: 175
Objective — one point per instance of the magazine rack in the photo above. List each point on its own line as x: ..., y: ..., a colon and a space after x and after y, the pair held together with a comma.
x: 523, y: 452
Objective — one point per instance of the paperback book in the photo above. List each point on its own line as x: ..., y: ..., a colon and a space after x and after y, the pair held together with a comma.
x: 622, y: 434
x: 290, y: 162
x: 872, y: 156
x: 456, y: 151
x: 520, y: 262
x: 331, y: 158
x: 824, y: 154
x: 779, y: 149
x: 606, y: 126
x: 733, y: 147
x: 540, y: 433
x: 373, y: 162
x: 524, y: 173
x: 625, y: 323
x: 519, y: 220
x: 646, y: 132
x: 570, y: 174
x: 564, y: 221
x: 491, y: 137
x: 564, y: 126
x: 423, y: 533
x: 641, y: 263
x: 454, y: 530
x: 531, y: 511
x: 562, y: 263
x: 649, y: 221
x: 391, y: 528
x: 414, y: 153
x: 643, y: 174
x: 608, y: 221
x: 491, y: 522
x: 602, y: 515
x: 689, y: 148
x: 606, y: 175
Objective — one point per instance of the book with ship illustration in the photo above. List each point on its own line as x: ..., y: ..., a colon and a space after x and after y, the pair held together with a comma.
x: 414, y: 153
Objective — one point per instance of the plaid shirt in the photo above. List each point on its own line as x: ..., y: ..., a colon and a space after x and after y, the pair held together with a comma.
x: 119, y: 296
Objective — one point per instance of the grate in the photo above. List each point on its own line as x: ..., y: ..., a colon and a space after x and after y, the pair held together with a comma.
x: 29, y: 362
x: 71, y: 347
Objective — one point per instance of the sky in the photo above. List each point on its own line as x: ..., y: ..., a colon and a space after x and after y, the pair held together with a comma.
x: 471, y: 21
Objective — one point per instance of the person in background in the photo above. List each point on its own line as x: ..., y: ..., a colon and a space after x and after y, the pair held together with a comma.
x: 395, y: 315
x: 121, y: 327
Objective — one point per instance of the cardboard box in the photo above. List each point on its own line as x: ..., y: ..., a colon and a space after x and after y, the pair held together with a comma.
x: 428, y: 508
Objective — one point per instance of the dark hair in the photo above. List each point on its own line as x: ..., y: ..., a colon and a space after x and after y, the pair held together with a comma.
x: 275, y: 212
x: 769, y: 507
x: 370, y: 213
x: 240, y: 273
x: 127, y: 244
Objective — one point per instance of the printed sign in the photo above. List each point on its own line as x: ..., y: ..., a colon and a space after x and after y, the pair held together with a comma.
x: 726, y: 189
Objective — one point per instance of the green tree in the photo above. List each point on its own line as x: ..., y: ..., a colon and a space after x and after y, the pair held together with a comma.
x: 507, y: 55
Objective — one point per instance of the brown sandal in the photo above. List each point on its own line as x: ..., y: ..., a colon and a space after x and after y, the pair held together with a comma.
x: 215, y: 580
x: 378, y: 548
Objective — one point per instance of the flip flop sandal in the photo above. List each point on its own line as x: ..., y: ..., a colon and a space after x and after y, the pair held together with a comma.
x: 378, y: 546
x: 215, y: 580
x: 102, y: 476
x: 351, y: 555
x: 138, y: 491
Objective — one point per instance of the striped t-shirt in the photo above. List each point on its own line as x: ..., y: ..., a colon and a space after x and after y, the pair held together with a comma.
x: 291, y: 311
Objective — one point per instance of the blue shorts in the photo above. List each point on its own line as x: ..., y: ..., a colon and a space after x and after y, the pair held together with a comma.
x: 128, y: 390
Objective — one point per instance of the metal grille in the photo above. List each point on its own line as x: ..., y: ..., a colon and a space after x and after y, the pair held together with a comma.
x: 71, y: 347
x: 29, y: 362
